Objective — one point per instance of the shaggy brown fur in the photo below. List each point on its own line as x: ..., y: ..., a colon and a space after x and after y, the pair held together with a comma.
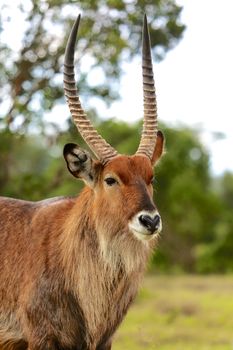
x: 70, y: 267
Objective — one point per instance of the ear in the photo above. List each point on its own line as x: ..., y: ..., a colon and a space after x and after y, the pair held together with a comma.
x: 80, y: 163
x: 159, y: 147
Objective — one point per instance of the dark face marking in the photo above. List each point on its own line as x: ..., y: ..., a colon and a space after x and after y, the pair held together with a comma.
x: 132, y: 188
x: 146, y: 200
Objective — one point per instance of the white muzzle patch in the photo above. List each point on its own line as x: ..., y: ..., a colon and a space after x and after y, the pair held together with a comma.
x: 146, y: 225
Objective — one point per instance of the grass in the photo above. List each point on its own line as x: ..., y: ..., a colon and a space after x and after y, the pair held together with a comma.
x: 180, y: 313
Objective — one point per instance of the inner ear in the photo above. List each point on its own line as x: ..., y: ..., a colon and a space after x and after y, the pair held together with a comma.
x: 159, y: 147
x: 80, y: 163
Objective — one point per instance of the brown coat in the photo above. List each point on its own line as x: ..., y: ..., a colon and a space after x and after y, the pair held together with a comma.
x: 70, y: 267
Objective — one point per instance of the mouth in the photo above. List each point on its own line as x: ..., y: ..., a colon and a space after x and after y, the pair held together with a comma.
x: 142, y: 234
x: 146, y: 225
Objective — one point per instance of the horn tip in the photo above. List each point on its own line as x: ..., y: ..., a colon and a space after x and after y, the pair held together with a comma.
x: 78, y: 20
x: 145, y: 24
x: 76, y: 23
x: 146, y: 38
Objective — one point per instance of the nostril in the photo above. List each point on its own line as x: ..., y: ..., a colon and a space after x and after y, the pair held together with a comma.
x: 151, y: 223
x: 145, y: 220
x: 156, y: 222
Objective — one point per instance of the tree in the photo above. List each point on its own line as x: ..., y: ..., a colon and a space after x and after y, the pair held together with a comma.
x: 32, y: 147
x: 109, y: 34
x: 186, y: 200
x: 217, y: 255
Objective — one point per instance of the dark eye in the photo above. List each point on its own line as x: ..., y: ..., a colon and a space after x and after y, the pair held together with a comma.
x: 110, y: 181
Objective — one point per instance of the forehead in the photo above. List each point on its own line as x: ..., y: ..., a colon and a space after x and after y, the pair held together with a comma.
x: 129, y: 167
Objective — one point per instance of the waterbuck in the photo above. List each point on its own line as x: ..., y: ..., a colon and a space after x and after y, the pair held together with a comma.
x: 70, y: 267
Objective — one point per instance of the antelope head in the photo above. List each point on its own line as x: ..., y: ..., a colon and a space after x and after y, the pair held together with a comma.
x: 121, y: 185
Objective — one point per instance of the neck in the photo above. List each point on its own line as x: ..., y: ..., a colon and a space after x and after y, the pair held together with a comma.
x: 78, y: 241
x: 100, y: 269
x: 85, y: 245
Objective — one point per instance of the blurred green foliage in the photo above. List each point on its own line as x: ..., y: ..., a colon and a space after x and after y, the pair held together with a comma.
x: 196, y: 208
x: 110, y: 33
x: 197, y: 213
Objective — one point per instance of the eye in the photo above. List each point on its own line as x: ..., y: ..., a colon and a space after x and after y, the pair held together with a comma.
x: 110, y: 181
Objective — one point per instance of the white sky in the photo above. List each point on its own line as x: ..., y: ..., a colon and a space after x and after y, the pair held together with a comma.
x: 195, y: 81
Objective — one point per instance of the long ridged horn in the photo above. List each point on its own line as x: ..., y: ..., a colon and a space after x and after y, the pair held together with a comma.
x: 98, y: 145
x: 149, y: 131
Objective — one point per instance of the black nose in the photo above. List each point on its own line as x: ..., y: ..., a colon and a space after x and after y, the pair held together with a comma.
x: 151, y: 223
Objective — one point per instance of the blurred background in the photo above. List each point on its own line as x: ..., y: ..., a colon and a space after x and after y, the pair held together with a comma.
x: 192, y: 54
